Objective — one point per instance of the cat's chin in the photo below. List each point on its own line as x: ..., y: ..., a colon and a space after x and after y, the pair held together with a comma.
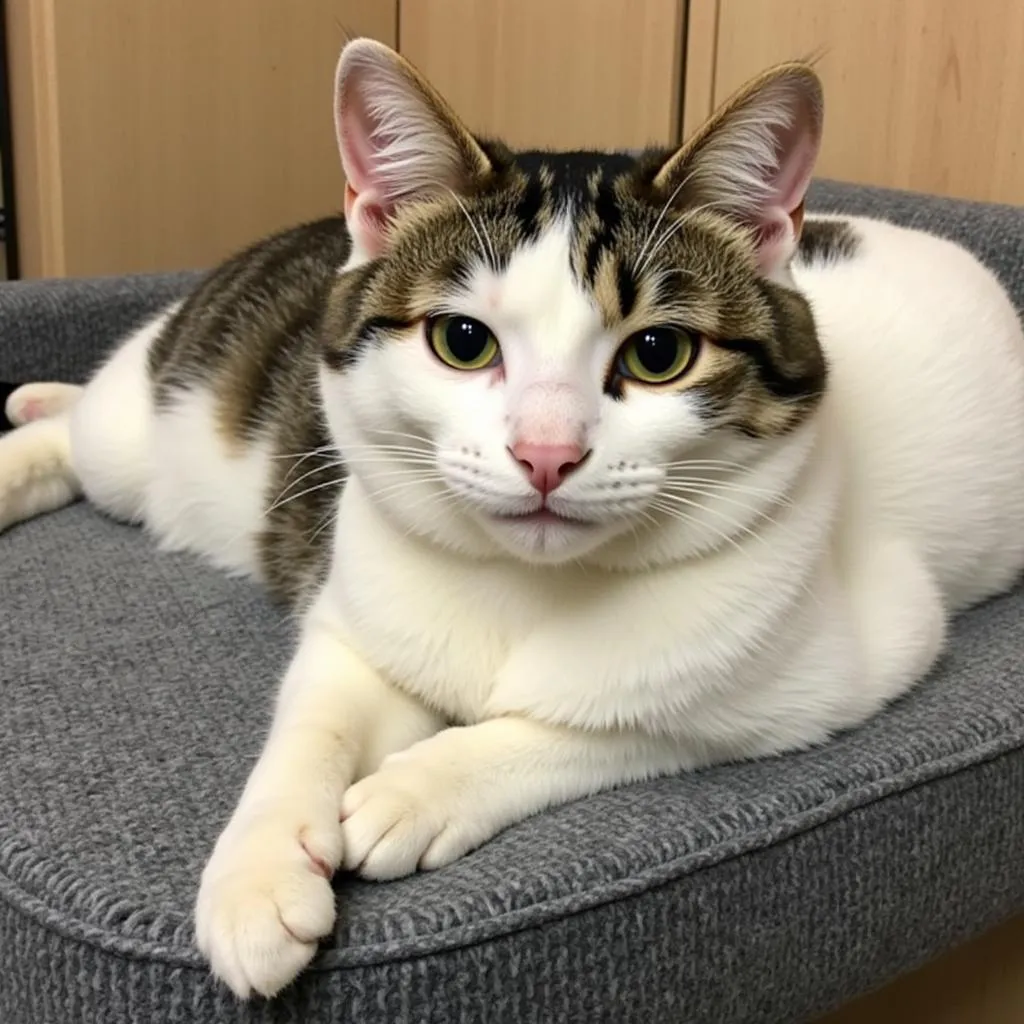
x: 546, y: 538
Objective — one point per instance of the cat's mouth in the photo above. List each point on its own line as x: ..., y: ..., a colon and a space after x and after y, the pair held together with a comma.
x: 543, y: 516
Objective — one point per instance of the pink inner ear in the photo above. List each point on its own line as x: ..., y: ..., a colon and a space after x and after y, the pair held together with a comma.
x: 355, y: 139
x: 366, y: 210
x: 367, y: 221
x: 780, y: 220
x: 776, y: 239
x: 798, y: 149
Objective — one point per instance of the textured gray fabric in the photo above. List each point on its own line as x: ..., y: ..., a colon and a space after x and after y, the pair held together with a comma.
x: 59, y: 329
x: 134, y: 688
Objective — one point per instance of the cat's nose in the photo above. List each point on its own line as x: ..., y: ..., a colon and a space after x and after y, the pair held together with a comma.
x: 547, y: 465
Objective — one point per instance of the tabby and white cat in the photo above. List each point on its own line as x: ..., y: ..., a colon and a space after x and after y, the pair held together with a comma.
x: 575, y: 476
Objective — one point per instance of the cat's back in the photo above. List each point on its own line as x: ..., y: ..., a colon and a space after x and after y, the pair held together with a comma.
x: 249, y: 317
x: 926, y: 382
x: 241, y: 468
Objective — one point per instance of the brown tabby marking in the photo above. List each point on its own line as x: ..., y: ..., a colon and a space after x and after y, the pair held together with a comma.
x: 258, y: 330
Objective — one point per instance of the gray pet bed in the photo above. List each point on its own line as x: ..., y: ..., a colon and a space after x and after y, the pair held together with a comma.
x: 136, y: 687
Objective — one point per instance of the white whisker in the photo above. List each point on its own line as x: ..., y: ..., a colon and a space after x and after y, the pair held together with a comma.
x: 742, y: 528
x: 639, y: 263
x: 493, y: 261
x: 326, y: 450
x: 406, y: 458
x: 686, y: 483
x: 414, y: 437
x: 303, y: 455
x: 335, y: 464
x: 685, y: 218
x: 334, y: 482
x: 686, y: 517
x: 760, y: 515
x: 395, y: 488
x: 706, y: 463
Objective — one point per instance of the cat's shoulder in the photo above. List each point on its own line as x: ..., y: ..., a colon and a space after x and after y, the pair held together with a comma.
x: 836, y: 240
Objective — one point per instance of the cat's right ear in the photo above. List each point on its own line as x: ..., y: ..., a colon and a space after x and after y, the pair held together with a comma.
x: 399, y: 141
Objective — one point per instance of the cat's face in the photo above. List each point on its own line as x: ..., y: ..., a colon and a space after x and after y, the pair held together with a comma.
x: 552, y: 356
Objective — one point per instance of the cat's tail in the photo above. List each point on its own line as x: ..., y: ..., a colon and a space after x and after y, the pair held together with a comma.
x: 35, y: 458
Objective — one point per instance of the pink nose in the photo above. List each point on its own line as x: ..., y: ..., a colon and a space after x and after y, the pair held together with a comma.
x: 547, y: 465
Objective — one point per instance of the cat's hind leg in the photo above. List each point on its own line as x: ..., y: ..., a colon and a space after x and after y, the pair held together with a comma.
x: 93, y: 440
x: 40, y: 400
x: 35, y: 470
x: 35, y: 459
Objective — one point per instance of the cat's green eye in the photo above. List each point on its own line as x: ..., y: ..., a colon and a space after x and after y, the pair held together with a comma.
x: 657, y: 355
x: 462, y: 342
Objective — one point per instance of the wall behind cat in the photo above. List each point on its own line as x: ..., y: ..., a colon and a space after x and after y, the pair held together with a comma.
x: 164, y: 136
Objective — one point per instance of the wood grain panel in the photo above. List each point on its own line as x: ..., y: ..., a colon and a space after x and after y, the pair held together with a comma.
x: 566, y: 74
x: 699, y: 64
x: 32, y: 78
x: 920, y: 94
x: 980, y: 983
x: 186, y: 129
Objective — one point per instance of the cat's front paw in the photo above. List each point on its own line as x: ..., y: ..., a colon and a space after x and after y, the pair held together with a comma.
x: 415, y: 811
x: 265, y: 898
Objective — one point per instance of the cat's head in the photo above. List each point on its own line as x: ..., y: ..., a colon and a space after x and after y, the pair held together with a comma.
x: 570, y: 357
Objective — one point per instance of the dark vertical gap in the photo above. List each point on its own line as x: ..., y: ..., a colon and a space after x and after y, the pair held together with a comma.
x: 398, y: 26
x: 679, y: 64
x: 7, y: 155
x: 714, y: 57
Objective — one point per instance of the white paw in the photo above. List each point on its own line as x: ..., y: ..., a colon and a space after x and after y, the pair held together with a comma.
x: 265, y: 898
x: 37, y: 401
x: 411, y: 813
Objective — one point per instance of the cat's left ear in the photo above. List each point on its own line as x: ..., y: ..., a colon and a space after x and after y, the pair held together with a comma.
x: 399, y: 140
x: 753, y: 160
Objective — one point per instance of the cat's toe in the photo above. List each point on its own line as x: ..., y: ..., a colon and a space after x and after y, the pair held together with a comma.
x: 264, y: 903
x: 402, y: 818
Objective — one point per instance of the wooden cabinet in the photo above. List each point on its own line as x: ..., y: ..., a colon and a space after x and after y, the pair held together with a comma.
x: 567, y: 74
x: 153, y: 135
x: 919, y: 94
x: 161, y: 135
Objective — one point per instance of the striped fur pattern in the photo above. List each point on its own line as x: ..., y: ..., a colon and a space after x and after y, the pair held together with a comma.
x: 258, y: 328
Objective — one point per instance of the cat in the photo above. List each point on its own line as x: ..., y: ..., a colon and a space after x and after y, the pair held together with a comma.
x: 576, y: 470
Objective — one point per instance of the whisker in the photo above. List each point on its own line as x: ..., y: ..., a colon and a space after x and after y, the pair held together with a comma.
x: 303, y: 455
x: 335, y: 482
x: 709, y: 463
x: 406, y: 471
x: 746, y: 506
x: 666, y: 238
x: 325, y: 451
x: 735, y: 523
x: 685, y: 483
x: 395, y: 488
x: 492, y: 262
x: 328, y: 521
x: 389, y: 448
x: 442, y: 501
x: 414, y: 437
x: 639, y: 264
x: 685, y: 218
x: 298, y: 480
x: 686, y: 517
x: 407, y: 458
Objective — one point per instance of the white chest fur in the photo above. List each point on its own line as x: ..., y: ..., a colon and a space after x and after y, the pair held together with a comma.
x: 699, y: 651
